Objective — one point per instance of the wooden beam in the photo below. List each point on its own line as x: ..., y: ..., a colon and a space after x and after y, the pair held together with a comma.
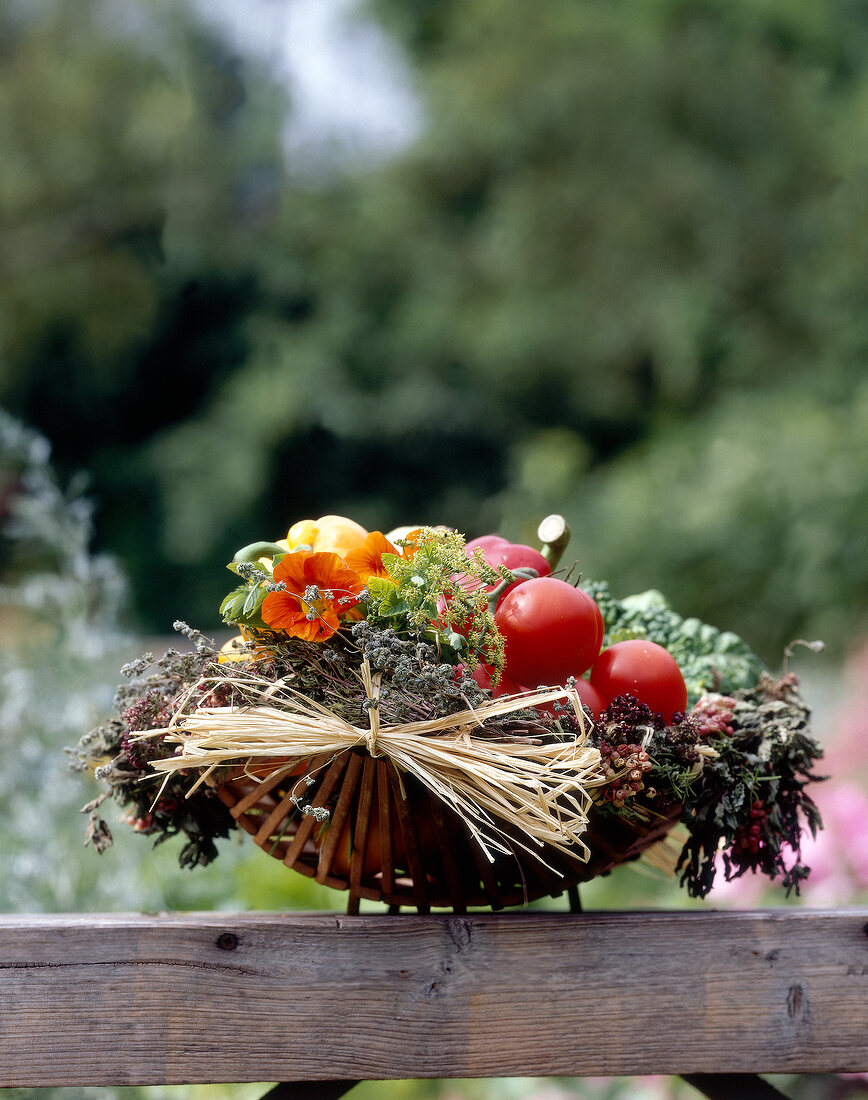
x: 208, y: 997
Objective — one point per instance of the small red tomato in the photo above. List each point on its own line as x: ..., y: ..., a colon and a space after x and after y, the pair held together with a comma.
x: 504, y: 686
x: 551, y: 631
x: 588, y: 696
x: 644, y: 670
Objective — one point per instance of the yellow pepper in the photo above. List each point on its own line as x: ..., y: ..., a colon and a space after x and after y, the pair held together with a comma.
x: 235, y: 650
x: 335, y: 533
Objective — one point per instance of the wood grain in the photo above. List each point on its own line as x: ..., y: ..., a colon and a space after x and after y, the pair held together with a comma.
x: 208, y: 997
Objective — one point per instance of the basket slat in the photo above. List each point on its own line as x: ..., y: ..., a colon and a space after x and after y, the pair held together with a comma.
x: 318, y: 802
x: 446, y: 841
x: 278, y: 816
x: 389, y: 839
x: 411, y: 843
x: 485, y: 872
x: 258, y: 791
x: 360, y: 839
x: 384, y: 796
x: 339, y: 816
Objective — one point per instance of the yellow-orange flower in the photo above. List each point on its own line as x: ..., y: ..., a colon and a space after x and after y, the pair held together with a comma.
x: 367, y: 560
x: 318, y: 589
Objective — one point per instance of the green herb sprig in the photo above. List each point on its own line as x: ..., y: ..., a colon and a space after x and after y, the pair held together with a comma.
x: 441, y: 594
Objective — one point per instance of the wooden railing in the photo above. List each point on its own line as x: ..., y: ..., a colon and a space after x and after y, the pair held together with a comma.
x: 211, y: 997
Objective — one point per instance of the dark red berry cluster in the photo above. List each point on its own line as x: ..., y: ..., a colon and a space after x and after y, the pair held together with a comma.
x: 624, y: 715
x: 680, y: 740
x: 749, y: 838
x: 150, y: 712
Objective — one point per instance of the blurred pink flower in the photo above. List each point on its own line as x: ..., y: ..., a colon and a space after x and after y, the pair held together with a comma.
x: 838, y: 855
x: 741, y: 893
x: 848, y: 739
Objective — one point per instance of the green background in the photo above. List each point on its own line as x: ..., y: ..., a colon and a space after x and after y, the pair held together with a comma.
x: 619, y: 273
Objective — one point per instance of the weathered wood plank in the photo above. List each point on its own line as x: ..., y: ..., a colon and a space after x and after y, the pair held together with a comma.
x: 207, y: 997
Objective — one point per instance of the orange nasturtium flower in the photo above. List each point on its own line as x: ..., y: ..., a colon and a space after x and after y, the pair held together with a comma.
x: 367, y: 560
x: 411, y: 540
x: 319, y: 589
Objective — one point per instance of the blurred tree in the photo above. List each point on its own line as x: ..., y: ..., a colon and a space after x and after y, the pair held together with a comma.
x: 616, y: 219
x: 635, y: 208
x: 140, y: 171
x: 751, y: 516
x: 619, y: 222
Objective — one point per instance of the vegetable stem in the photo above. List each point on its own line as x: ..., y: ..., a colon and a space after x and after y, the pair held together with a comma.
x: 554, y: 534
x: 255, y: 550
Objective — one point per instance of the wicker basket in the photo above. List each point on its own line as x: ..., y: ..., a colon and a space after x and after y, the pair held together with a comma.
x: 389, y: 839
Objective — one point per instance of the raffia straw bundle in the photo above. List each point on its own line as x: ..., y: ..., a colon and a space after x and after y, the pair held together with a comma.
x: 536, y: 787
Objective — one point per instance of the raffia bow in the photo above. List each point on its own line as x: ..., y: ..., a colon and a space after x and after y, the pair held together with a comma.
x: 537, y: 786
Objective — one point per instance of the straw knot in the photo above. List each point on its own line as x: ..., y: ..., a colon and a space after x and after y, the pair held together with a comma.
x: 372, y: 706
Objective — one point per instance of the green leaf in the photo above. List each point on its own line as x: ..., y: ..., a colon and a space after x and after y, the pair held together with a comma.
x: 232, y: 607
x: 379, y: 586
x: 253, y: 602
x: 385, y: 599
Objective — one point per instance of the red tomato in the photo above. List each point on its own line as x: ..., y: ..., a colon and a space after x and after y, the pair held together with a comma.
x: 601, y: 626
x: 514, y: 555
x: 551, y: 630
x: 483, y: 543
x: 644, y: 670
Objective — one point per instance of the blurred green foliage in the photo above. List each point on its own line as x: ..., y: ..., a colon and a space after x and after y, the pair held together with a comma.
x: 620, y: 274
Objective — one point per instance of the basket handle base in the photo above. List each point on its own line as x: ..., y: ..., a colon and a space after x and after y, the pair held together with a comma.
x: 724, y: 1086
x: 309, y: 1090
